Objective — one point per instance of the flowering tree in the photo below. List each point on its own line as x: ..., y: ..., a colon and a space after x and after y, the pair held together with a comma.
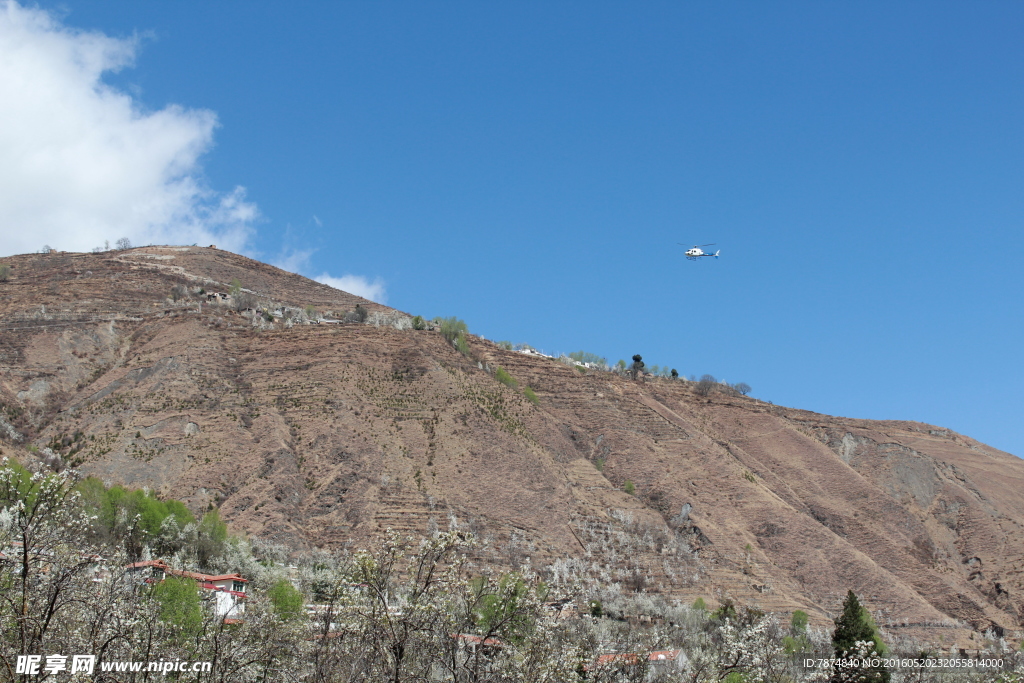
x: 59, y: 594
x: 747, y: 647
x: 405, y: 610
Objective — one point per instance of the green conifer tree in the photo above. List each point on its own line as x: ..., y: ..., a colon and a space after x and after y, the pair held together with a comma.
x: 856, y: 626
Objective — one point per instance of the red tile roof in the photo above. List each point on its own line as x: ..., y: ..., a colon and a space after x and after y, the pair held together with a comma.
x: 205, y: 577
x: 618, y: 658
x: 476, y: 640
x: 196, y: 576
x: 148, y: 563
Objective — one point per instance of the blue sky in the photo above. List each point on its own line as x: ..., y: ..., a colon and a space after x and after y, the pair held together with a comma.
x: 530, y: 168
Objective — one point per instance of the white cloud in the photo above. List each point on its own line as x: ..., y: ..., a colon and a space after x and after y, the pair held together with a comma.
x: 294, y: 260
x: 358, y: 285
x: 83, y: 162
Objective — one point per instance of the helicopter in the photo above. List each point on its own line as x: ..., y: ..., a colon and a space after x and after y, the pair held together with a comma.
x: 695, y: 252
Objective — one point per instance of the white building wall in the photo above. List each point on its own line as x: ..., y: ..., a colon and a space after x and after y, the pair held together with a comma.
x: 227, y: 605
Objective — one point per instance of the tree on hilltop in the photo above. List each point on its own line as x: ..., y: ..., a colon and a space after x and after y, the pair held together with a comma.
x: 637, y: 366
x: 455, y: 330
x: 452, y: 327
x: 706, y: 385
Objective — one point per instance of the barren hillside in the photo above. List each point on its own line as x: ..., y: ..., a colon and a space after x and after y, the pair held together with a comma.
x: 324, y: 435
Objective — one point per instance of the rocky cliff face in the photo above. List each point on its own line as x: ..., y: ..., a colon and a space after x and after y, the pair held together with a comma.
x: 324, y: 435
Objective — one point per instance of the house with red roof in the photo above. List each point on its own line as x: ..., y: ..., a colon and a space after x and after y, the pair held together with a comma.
x: 472, y: 642
x: 226, y: 592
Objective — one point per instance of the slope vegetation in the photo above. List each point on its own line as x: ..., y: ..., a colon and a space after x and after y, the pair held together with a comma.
x: 325, y: 435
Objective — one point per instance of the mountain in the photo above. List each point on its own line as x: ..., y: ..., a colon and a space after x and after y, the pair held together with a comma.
x: 324, y: 435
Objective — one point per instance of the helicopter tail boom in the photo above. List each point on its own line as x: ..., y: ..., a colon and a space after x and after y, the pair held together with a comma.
x: 717, y: 253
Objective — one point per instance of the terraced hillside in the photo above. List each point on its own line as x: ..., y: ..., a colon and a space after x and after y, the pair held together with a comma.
x: 325, y: 435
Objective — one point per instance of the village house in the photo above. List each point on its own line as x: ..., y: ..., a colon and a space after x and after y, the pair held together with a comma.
x: 562, y: 609
x: 471, y: 642
x: 226, y: 592
x: 477, y: 646
x: 667, y: 660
